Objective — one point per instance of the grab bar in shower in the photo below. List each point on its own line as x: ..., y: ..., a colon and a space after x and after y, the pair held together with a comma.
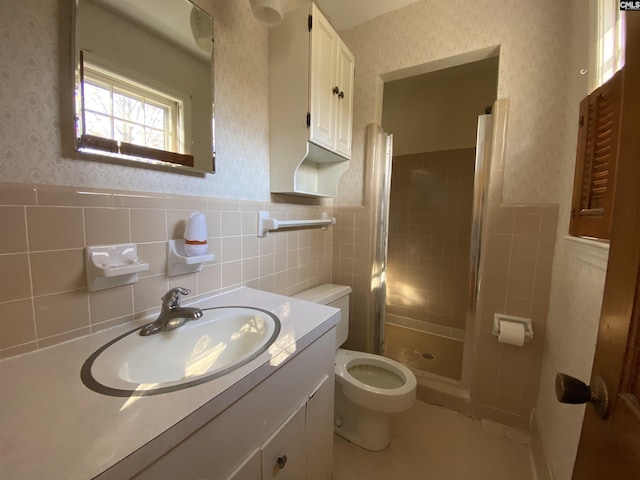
x: 267, y: 224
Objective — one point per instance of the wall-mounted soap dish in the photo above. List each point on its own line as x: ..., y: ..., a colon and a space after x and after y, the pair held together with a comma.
x: 178, y: 263
x: 110, y: 266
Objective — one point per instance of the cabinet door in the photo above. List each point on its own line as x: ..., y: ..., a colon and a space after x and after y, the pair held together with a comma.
x: 322, y: 81
x: 344, y: 116
x: 319, y: 431
x: 283, y: 455
x: 249, y: 470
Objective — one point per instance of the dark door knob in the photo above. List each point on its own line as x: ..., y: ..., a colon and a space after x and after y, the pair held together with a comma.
x: 571, y: 390
x: 335, y: 90
x: 341, y: 95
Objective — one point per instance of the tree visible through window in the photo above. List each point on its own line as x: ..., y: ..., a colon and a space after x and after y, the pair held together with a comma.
x: 126, y: 111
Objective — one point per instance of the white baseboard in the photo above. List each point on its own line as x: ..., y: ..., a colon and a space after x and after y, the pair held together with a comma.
x: 539, y: 463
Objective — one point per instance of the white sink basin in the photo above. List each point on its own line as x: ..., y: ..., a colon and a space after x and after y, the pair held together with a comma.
x: 224, y: 339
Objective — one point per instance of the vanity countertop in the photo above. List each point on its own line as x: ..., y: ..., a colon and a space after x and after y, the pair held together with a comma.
x: 52, y: 426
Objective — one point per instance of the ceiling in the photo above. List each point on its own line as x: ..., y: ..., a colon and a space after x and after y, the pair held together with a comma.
x: 167, y: 19
x: 344, y: 14
x: 171, y: 18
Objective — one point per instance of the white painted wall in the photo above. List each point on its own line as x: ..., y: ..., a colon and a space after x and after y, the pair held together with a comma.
x: 572, y: 329
x: 439, y: 110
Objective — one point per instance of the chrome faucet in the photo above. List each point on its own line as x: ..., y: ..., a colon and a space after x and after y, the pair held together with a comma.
x: 172, y: 314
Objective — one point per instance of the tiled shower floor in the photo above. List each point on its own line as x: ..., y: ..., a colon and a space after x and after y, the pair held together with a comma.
x: 407, y: 346
x: 433, y: 443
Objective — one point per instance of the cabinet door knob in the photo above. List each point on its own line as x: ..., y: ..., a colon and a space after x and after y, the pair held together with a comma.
x: 335, y: 90
x: 281, y: 461
x: 341, y: 95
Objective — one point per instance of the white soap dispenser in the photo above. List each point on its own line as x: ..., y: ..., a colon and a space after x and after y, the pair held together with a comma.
x: 195, y: 235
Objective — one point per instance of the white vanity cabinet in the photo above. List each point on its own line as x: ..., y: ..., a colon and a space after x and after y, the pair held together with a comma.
x: 283, y: 455
x: 250, y: 469
x: 299, y: 448
x: 281, y: 429
x: 310, y: 104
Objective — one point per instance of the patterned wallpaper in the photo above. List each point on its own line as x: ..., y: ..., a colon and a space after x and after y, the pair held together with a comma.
x: 534, y: 74
x: 29, y: 112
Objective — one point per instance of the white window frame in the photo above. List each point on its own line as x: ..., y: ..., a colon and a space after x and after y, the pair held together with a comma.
x: 116, y: 77
x: 608, y: 40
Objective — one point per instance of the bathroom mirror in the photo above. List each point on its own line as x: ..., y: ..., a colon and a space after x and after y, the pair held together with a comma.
x: 143, y: 88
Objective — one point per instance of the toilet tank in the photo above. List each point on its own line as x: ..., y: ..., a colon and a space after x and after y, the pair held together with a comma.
x: 335, y: 296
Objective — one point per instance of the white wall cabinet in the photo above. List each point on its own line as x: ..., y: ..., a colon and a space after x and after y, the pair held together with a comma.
x: 331, y: 89
x: 290, y: 414
x: 311, y: 104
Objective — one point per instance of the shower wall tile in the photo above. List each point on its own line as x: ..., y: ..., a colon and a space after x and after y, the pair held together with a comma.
x: 429, y: 236
x: 352, y: 261
x: 43, y: 286
x: 515, y: 280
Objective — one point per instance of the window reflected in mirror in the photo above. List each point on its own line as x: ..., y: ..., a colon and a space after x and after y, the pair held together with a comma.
x: 144, y: 88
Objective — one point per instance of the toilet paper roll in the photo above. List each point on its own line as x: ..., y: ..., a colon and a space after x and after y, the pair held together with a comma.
x: 511, y: 333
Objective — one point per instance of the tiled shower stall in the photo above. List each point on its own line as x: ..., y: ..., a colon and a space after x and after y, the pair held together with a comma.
x: 428, y: 260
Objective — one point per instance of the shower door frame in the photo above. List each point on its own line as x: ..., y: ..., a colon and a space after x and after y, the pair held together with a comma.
x: 381, y: 177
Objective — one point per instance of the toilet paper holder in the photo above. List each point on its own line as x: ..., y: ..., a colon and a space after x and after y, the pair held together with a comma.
x: 526, y: 322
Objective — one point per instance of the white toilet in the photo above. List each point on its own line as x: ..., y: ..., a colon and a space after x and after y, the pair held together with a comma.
x: 368, y: 387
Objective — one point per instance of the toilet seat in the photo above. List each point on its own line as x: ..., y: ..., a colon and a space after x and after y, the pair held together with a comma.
x: 381, y: 398
x: 368, y: 388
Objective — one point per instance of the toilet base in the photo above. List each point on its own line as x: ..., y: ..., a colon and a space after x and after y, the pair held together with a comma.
x: 361, y: 426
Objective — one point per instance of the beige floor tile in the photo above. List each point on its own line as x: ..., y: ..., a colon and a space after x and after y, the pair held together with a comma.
x: 433, y: 443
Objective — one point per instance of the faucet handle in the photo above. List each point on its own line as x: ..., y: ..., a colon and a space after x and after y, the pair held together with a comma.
x: 171, y: 299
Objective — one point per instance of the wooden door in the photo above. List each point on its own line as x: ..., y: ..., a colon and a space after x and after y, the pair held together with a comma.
x: 610, y: 448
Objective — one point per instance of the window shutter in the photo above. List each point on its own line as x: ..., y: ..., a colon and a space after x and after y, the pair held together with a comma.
x: 594, y: 182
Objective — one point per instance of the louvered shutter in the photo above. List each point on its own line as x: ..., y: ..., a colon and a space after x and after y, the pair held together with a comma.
x: 594, y: 183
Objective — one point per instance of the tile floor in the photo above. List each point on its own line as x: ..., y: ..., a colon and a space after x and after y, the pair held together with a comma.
x: 433, y: 443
